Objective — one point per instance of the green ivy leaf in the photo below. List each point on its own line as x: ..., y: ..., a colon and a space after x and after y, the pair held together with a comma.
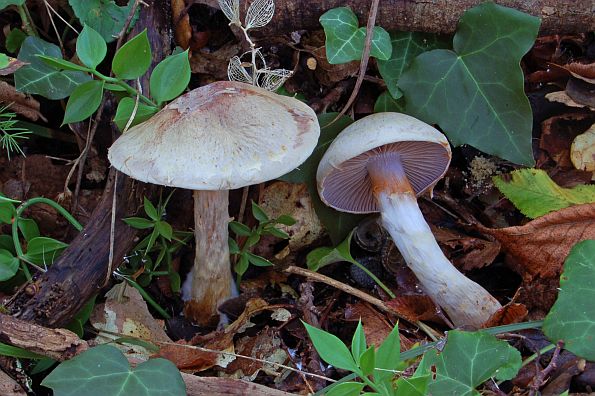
x: 406, y: 46
x: 133, y: 59
x: 103, y: 370
x: 39, y: 78
x: 124, y: 112
x: 9, y: 265
x: 476, y: 92
x: 386, y: 103
x: 104, y: 16
x: 535, y: 194
x: 84, y: 101
x: 14, y: 40
x: 414, y: 386
x: 468, y: 360
x: 43, y: 250
x: 170, y: 77
x: 6, y: 3
x: 345, y: 39
x: 331, y: 349
x: 572, y: 318
x: 337, y: 224
x: 90, y: 47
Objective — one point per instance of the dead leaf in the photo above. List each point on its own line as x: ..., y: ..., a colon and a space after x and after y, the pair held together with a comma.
x: 415, y: 307
x: 582, y: 151
x: 376, y: 327
x: 214, y: 63
x: 181, y: 22
x: 13, y: 65
x: 581, y: 92
x: 558, y: 133
x: 510, y: 313
x: 20, y: 103
x: 562, y: 97
x: 192, y: 360
x: 467, y: 252
x: 539, y: 248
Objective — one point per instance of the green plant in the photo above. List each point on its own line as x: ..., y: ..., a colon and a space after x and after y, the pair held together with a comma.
x: 467, y: 359
x: 152, y: 256
x: 10, y: 134
x: 266, y: 226
x: 40, y: 251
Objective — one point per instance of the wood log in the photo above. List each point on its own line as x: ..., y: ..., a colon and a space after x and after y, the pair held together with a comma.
x: 436, y: 16
x: 82, y: 269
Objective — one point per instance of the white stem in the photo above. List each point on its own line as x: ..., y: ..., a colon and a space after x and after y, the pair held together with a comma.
x: 465, y: 302
x: 211, y: 275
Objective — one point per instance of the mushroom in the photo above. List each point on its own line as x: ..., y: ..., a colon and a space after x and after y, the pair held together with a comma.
x: 218, y: 137
x: 381, y: 163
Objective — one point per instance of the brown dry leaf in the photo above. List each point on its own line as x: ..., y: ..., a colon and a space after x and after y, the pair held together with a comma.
x: 582, y: 151
x: 467, y: 252
x: 192, y: 360
x: 214, y: 63
x: 415, y: 307
x: 13, y: 65
x: 562, y: 97
x: 584, y: 71
x: 558, y: 133
x: 510, y: 313
x: 581, y: 92
x: 181, y: 22
x: 376, y: 327
x: 20, y: 103
x: 539, y: 248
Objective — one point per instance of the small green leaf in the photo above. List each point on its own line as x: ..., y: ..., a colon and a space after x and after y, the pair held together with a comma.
x: 104, y: 16
x: 9, y: 265
x: 468, y: 360
x: 276, y: 232
x: 6, y: 243
x: 140, y: 223
x: 358, y: 342
x: 29, y: 229
x: 476, y: 92
x: 346, y: 389
x: 535, y: 194
x: 14, y: 40
x: 12, y: 351
x: 388, y: 356
x: 258, y: 261
x: 61, y: 64
x: 84, y: 101
x: 405, y: 47
x: 133, y: 59
x: 572, y: 318
x: 165, y: 229
x: 150, y: 210
x: 90, y: 47
x: 258, y: 213
x: 115, y: 88
x: 323, y: 256
x: 242, y: 264
x: 240, y: 229
x: 41, y: 79
x: 104, y: 370
x: 7, y: 211
x: 175, y: 282
x: 233, y: 246
x: 367, y: 361
x: 413, y: 386
x: 252, y: 239
x: 345, y: 39
x: 125, y: 108
x: 285, y: 220
x: 331, y: 349
x: 386, y: 103
x: 170, y: 77
x: 43, y: 250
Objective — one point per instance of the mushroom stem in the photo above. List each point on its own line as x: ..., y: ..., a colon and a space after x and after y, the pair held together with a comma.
x: 465, y: 302
x: 211, y: 274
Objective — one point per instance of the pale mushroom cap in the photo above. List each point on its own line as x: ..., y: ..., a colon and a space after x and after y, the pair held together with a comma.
x: 221, y: 136
x: 343, y: 181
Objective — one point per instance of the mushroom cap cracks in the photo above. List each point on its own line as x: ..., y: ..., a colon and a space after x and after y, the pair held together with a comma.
x: 343, y: 181
x: 221, y: 136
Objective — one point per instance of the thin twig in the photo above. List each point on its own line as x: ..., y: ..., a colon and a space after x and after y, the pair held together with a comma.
x: 127, y: 23
x: 112, y: 232
x: 47, y: 7
x: 363, y: 66
x: 539, y: 379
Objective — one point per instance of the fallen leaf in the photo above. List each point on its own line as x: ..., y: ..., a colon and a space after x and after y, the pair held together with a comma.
x: 181, y: 22
x: 20, y: 103
x: 467, y: 252
x: 558, y: 133
x: 539, y: 248
x: 415, y: 307
x: 12, y: 65
x: 562, y: 97
x: 214, y: 63
x: 582, y: 151
x: 510, y: 313
x: 581, y: 92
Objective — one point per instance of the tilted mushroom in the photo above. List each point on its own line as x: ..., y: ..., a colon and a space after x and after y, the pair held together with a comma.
x: 218, y: 137
x: 380, y: 163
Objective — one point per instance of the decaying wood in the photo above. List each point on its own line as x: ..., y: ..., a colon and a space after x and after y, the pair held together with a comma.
x: 437, y: 16
x: 214, y: 386
x: 9, y: 387
x: 80, y: 272
x: 58, y: 344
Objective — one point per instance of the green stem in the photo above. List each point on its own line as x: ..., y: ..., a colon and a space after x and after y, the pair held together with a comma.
x: 28, y: 25
x: 148, y: 298
x: 129, y: 90
x: 15, y: 225
x: 375, y: 278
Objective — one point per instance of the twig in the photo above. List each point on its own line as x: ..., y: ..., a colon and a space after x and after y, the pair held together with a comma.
x: 127, y: 23
x: 363, y: 66
x: 539, y: 379
x: 112, y: 231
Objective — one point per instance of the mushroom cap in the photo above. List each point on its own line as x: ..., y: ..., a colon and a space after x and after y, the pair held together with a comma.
x: 221, y: 136
x: 342, y: 176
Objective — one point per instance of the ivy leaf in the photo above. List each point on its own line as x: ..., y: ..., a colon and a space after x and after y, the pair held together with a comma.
x: 14, y: 40
x: 385, y: 103
x: 572, y: 318
x: 133, y: 59
x: 535, y: 194
x: 83, y: 102
x: 41, y: 79
x: 104, y: 16
x: 468, y: 360
x: 124, y: 112
x: 6, y: 3
x: 170, y: 77
x: 476, y: 93
x: 406, y: 46
x: 345, y: 39
x: 90, y: 47
x: 103, y: 370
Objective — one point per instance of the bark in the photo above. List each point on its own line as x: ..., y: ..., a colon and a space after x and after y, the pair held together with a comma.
x: 82, y: 269
x: 436, y: 16
x: 9, y: 387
